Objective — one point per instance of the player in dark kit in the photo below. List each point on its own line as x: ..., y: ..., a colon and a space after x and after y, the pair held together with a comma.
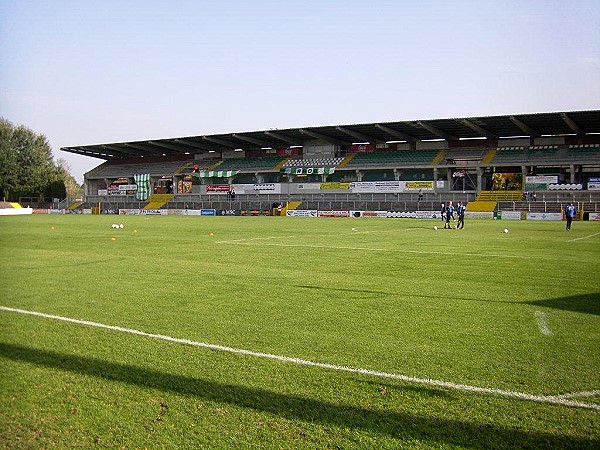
x: 569, y: 214
x: 460, y: 210
x: 448, y: 216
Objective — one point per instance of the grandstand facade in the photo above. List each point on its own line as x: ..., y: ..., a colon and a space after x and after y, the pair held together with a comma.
x: 541, y: 159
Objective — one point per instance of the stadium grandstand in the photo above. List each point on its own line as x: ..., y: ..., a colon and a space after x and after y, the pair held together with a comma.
x: 525, y: 162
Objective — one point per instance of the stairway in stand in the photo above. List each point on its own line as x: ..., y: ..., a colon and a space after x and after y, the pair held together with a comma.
x: 157, y: 201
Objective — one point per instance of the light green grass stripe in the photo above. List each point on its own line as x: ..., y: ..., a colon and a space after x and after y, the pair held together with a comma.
x: 558, y: 400
x: 253, y: 242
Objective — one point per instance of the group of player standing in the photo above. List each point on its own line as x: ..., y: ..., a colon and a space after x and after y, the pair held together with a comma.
x: 448, y: 210
x: 447, y: 213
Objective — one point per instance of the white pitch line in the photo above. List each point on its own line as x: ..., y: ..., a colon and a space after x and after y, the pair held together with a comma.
x: 580, y: 394
x: 375, y: 249
x: 355, y: 231
x: 556, y: 400
x: 584, y: 237
x: 541, y: 319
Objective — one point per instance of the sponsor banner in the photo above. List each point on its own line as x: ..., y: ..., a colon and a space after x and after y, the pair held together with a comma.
x: 362, y: 148
x: 230, y: 212
x: 593, y: 186
x: 333, y: 213
x: 510, y: 215
x: 143, y: 182
x: 289, y: 151
x: 418, y: 185
x: 208, y: 212
x: 17, y: 211
x: 301, y: 213
x: 541, y: 179
x: 56, y: 211
x: 39, y: 211
x: 184, y: 187
x: 87, y: 211
x: 114, y: 189
x: 594, y: 179
x: 479, y: 214
x: 308, y: 186
x: 544, y: 216
x: 379, y: 214
x: 217, y: 188
x: 427, y: 215
x: 329, y: 186
x: 102, y: 191
x: 536, y: 187
x: 413, y: 214
x: 594, y: 216
x: 184, y: 212
x: 120, y: 189
x: 144, y: 212
x: 255, y: 212
x: 268, y: 188
x: 375, y: 186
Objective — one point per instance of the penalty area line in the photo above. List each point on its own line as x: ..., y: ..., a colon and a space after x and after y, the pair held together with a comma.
x: 556, y: 400
x: 584, y: 237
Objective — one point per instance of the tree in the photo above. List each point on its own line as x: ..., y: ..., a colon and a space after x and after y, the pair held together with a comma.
x: 73, y: 189
x: 26, y: 165
x: 8, y: 160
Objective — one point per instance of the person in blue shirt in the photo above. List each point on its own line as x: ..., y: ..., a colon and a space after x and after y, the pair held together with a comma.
x: 448, y: 216
x: 460, y: 211
x: 569, y: 214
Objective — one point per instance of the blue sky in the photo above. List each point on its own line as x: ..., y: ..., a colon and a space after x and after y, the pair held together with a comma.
x: 87, y: 72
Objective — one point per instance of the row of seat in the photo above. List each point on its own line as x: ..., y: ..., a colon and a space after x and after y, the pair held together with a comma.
x: 514, y: 155
x: 546, y: 154
x: 264, y: 162
x: 408, y: 157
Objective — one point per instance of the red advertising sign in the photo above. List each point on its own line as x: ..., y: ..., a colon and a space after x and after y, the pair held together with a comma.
x: 217, y: 188
x: 362, y: 148
x: 288, y: 151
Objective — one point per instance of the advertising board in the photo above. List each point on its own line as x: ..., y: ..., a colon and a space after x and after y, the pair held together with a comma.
x: 509, y: 215
x: 544, y: 216
x: 301, y: 213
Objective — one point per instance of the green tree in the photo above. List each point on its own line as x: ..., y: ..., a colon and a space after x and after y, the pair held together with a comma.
x: 72, y: 188
x: 8, y: 160
x: 26, y: 165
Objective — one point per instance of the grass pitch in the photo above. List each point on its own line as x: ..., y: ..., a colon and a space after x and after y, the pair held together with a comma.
x: 515, y: 312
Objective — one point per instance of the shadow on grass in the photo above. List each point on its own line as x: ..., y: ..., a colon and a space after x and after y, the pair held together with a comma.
x: 583, y: 303
x: 395, y: 424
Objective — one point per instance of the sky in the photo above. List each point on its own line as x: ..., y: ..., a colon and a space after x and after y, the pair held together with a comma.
x: 89, y: 72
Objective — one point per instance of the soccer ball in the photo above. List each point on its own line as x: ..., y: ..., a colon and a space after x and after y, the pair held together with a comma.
x: 121, y: 225
x: 506, y: 230
x: 435, y: 227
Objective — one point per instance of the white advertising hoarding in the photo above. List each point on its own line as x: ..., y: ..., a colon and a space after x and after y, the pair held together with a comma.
x: 510, y: 215
x: 544, y: 216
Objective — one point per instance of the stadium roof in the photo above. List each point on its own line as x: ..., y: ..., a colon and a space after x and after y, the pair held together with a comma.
x: 491, y: 127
